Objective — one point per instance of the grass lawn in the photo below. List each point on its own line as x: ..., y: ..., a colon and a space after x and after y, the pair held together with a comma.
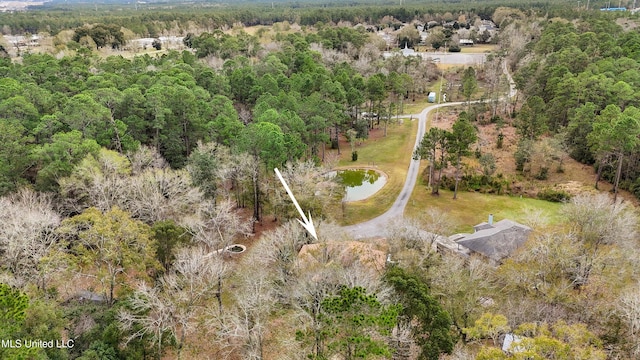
x: 390, y: 155
x: 421, y: 101
x: 473, y: 208
x: 478, y: 48
x: 416, y: 107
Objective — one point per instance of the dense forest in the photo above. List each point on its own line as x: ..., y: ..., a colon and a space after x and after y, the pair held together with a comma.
x: 127, y: 183
x: 154, y: 20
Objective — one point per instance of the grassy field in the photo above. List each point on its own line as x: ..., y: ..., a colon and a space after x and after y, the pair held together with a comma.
x: 390, y: 155
x: 416, y: 107
x: 473, y: 208
x: 478, y: 48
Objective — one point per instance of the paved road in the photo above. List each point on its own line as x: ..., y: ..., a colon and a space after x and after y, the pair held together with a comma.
x: 448, y: 58
x: 512, y: 84
x: 378, y: 226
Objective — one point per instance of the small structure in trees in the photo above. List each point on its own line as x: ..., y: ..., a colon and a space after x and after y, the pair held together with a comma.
x: 511, y: 344
x: 89, y: 296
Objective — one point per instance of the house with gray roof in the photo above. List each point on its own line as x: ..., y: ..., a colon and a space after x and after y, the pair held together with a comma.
x: 493, y: 241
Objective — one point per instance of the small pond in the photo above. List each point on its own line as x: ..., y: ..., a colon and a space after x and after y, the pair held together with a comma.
x: 359, y: 183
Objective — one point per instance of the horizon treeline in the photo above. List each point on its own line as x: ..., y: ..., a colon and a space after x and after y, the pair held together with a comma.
x: 154, y: 19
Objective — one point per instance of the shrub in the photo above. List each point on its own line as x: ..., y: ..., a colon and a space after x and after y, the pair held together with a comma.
x: 635, y: 188
x: 478, y: 183
x: 554, y: 195
x: 543, y: 174
x: 500, y: 141
x: 354, y: 156
x: 157, y: 44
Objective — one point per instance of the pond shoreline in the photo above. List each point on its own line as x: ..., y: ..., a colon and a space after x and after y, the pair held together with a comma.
x: 362, y: 184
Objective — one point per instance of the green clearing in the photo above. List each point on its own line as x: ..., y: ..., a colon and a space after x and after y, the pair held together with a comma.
x: 416, y: 107
x: 473, y: 208
x: 478, y: 48
x: 421, y: 102
x: 391, y: 155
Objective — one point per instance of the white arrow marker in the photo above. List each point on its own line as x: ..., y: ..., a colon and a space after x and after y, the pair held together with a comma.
x: 307, y: 224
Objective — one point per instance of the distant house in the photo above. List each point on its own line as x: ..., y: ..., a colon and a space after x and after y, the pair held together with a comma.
x: 487, y: 25
x: 614, y: 9
x: 493, y: 241
x: 466, y: 42
x: 449, y: 24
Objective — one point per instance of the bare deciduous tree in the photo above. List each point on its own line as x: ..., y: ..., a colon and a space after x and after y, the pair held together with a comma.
x: 597, y: 221
x: 536, y: 219
x: 27, y: 223
x: 146, y: 158
x: 330, y: 57
x: 245, y: 325
x: 278, y: 252
x: 146, y: 189
x: 412, y: 240
x: 436, y: 223
x: 313, y: 190
x: 629, y: 309
x: 461, y: 288
x: 460, y: 352
x: 161, y: 195
x: 172, y: 307
x: 406, y: 233
x: 401, y: 340
x: 217, y: 225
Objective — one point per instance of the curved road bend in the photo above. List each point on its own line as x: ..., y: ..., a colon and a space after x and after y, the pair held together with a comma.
x: 378, y: 226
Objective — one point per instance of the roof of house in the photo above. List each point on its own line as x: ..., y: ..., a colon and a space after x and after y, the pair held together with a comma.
x: 511, y: 344
x: 496, y: 241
